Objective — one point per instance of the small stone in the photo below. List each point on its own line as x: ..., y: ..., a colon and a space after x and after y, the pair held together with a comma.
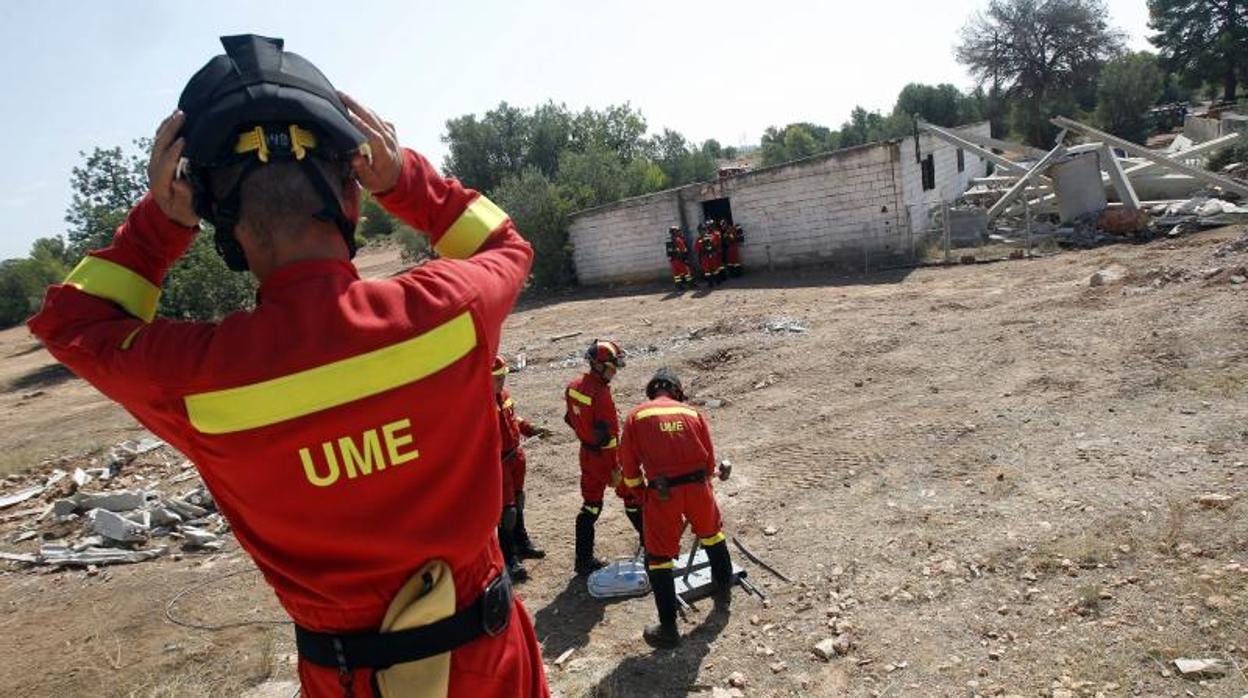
x: 737, y: 680
x: 1215, y: 501
x: 1201, y: 667
x: 826, y: 649
x: 1237, y: 279
x: 770, y: 531
x: 755, y: 620
x: 778, y: 667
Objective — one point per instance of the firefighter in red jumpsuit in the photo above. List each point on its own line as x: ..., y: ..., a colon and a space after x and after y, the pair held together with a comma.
x: 709, y: 257
x: 591, y: 414
x: 666, y: 449
x: 733, y: 237
x: 678, y: 255
x: 344, y: 427
x: 513, y: 536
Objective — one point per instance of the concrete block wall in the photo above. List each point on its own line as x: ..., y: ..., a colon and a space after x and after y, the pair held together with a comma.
x: 950, y: 184
x: 624, y: 241
x: 848, y: 208
x: 823, y: 210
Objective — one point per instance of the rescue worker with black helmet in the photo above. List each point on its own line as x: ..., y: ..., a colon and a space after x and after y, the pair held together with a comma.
x: 678, y: 256
x: 666, y: 452
x: 343, y: 424
x: 591, y: 414
x: 513, y: 536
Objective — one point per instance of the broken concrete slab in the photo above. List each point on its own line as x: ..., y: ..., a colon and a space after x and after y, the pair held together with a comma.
x: 62, y: 508
x: 121, y: 500
x: 1024, y: 181
x: 115, y: 527
x: 1201, y: 667
x: 19, y: 557
x: 1077, y: 183
x: 56, y: 554
x: 188, y: 512
x: 21, y: 496
x: 163, y: 516
x: 199, y: 538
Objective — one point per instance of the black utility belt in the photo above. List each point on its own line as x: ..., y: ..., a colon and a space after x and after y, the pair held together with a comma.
x: 488, y: 615
x: 662, y: 482
x: 510, y: 454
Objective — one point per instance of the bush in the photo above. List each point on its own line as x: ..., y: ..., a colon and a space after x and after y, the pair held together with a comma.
x: 201, y: 287
x: 415, y: 246
x: 540, y: 212
x: 1130, y: 85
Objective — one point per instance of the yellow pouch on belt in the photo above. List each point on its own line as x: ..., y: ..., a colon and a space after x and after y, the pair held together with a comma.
x: 429, y: 596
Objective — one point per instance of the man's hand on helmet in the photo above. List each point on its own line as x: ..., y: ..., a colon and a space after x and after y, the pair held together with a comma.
x: 172, y: 195
x: 379, y: 173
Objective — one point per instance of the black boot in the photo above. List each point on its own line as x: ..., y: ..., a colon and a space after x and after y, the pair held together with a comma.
x: 663, y: 634
x: 634, y: 517
x: 525, y: 550
x: 506, y: 541
x: 721, y: 572
x: 585, y: 560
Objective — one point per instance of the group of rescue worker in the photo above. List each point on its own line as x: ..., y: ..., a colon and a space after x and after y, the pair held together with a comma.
x: 716, y: 252
x: 660, y: 464
x: 344, y: 425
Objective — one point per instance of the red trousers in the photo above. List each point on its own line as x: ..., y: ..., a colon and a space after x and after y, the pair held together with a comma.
x: 664, y: 521
x: 597, y: 471
x: 680, y: 270
x: 514, y: 468
x: 734, y: 256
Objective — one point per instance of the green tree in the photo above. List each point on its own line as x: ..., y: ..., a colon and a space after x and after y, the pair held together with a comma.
x: 1203, y: 39
x: 200, y: 287
x: 591, y: 178
x: 105, y: 186
x: 943, y: 105
x: 374, y: 221
x: 1044, y: 55
x: 797, y: 141
x: 1130, y: 85
x: 540, y: 212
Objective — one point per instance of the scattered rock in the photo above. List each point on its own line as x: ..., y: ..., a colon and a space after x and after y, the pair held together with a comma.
x: 737, y: 680
x: 1215, y: 501
x: 778, y: 667
x: 1107, y: 275
x: 564, y: 657
x: 115, y: 527
x: 770, y: 531
x: 826, y: 649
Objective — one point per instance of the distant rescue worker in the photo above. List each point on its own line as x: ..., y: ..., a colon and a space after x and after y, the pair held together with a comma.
x: 513, y: 536
x: 345, y: 427
x: 666, y: 449
x: 709, y: 257
x: 734, y: 236
x: 678, y: 256
x: 591, y: 414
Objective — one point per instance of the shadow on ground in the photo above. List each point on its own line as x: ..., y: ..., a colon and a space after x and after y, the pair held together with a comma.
x: 664, y: 672
x: 565, y: 622
x: 42, y: 377
x: 789, y: 278
x: 23, y: 352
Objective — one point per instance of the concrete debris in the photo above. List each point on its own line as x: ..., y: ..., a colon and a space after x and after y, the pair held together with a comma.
x: 1201, y: 667
x: 738, y: 680
x: 785, y: 324
x: 24, y: 536
x: 199, y: 538
x: 63, y: 508
x: 161, y: 516
x: 19, y: 557
x: 1107, y: 276
x: 21, y: 496
x: 121, y: 500
x: 80, y: 477
x: 832, y: 648
x: 115, y: 527
x: 61, y: 555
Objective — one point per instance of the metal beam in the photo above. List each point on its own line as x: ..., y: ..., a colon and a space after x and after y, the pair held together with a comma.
x: 1022, y: 183
x: 967, y: 145
x: 1010, y: 146
x: 1226, y: 183
x: 1126, y: 193
x: 1206, y: 148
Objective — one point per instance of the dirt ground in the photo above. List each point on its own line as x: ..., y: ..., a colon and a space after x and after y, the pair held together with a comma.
x: 986, y: 479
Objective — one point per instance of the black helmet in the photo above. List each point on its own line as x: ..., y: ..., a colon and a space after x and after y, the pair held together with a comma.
x: 252, y: 105
x: 665, y: 379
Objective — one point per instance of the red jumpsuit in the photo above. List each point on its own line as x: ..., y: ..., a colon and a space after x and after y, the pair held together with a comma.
x: 679, y: 256
x: 343, y: 426
x: 667, y: 438
x: 512, y: 428
x: 732, y: 244
x: 589, y: 402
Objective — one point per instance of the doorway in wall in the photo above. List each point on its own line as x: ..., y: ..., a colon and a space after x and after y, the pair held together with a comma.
x: 717, y: 209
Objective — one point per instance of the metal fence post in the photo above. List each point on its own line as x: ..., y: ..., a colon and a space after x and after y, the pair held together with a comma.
x: 945, y: 223
x: 1027, y: 219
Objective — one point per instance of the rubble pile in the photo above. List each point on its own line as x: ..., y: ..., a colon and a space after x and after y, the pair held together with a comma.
x: 135, y: 504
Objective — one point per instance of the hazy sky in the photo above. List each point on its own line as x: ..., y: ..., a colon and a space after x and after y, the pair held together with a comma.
x: 75, y: 75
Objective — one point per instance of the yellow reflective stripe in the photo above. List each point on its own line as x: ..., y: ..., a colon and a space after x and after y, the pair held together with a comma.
x: 129, y: 340
x: 580, y: 397
x: 633, y: 481
x: 592, y: 510
x: 663, y: 411
x: 508, y: 404
x: 472, y: 228
x: 331, y: 385
x: 612, y: 443
x: 500, y: 372
x: 111, y: 281
x: 713, y: 540
x: 661, y: 565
